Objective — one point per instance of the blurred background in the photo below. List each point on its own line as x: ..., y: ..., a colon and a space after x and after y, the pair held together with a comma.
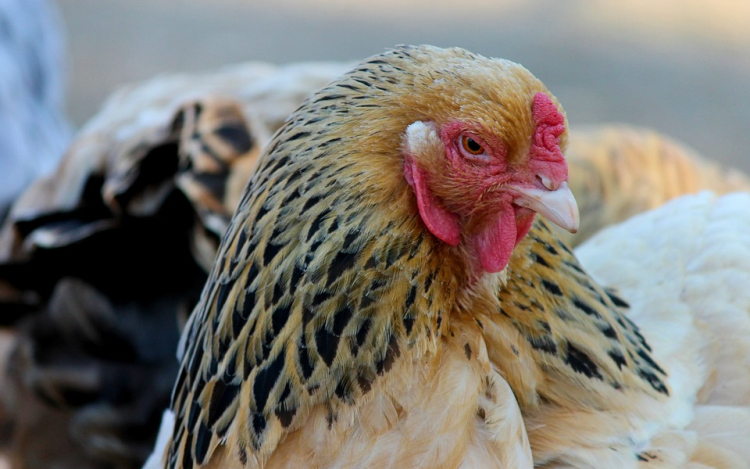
x: 679, y: 66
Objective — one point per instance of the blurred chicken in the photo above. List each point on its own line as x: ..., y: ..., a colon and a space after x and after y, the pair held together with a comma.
x: 685, y: 269
x: 101, y: 259
x: 619, y: 171
x: 368, y: 308
x: 156, y: 174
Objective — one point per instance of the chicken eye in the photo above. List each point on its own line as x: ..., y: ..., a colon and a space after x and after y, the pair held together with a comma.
x: 471, y: 146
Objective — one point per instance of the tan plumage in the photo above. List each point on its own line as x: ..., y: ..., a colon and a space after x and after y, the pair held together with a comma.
x: 556, y: 398
x: 323, y: 305
x: 618, y: 171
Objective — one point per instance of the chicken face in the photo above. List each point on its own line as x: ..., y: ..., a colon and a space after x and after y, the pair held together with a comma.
x: 482, y: 195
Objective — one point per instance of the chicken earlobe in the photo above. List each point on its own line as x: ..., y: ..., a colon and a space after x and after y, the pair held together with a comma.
x: 440, y: 221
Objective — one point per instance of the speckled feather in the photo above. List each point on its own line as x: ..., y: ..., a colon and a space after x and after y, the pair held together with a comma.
x: 327, y: 281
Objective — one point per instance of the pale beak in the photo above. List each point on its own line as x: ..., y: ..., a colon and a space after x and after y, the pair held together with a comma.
x: 558, y: 206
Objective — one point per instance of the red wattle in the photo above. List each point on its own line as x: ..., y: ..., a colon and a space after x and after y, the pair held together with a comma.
x: 441, y: 222
x: 495, y: 243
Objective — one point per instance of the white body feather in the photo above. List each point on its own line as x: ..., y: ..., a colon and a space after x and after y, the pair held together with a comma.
x: 685, y: 269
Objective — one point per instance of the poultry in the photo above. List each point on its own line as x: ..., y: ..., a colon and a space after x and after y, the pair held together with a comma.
x: 102, y: 260
x: 141, y: 175
x: 685, y: 268
x: 336, y: 329
x: 133, y: 125
x: 617, y: 171
x: 603, y: 384
x: 335, y: 339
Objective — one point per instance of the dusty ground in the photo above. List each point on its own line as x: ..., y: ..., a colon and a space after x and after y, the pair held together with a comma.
x: 681, y: 66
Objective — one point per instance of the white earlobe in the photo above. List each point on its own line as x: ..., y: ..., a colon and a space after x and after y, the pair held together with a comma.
x: 421, y: 137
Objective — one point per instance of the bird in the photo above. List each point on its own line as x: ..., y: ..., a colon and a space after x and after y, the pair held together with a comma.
x: 336, y: 327
x: 156, y: 173
x: 369, y: 306
x: 101, y: 262
x: 618, y: 170
x: 684, y: 268
x: 196, y: 118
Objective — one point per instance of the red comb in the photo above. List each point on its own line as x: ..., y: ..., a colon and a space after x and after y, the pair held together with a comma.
x: 550, y: 124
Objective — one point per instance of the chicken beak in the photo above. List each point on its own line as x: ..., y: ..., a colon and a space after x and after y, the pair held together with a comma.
x: 558, y: 206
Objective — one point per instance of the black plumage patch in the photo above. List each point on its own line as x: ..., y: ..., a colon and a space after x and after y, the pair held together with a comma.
x: 187, y: 455
x: 278, y: 292
x: 645, y: 356
x: 340, y: 264
x: 266, y: 379
x: 321, y: 298
x: 259, y: 423
x: 364, y: 328
x: 581, y: 363
x: 552, y: 287
x: 241, y: 240
x: 311, y: 202
x: 608, y: 331
x: 540, y: 260
x: 429, y: 279
x: 195, y: 410
x: 279, y: 318
x: 467, y: 351
x: 222, y: 397
x: 586, y: 308
x: 619, y: 302
x: 240, y: 317
x: 303, y: 358
x: 327, y: 344
x: 654, y: 381
x: 364, y: 384
x: 285, y: 416
x: 393, y: 352
x: 408, y: 323
x: 317, y: 221
x: 297, y: 135
x: 341, y: 319
x: 272, y: 249
x: 545, y: 343
x: 297, y: 274
x: 618, y: 358
x: 366, y: 300
x: 202, y: 441
x: 221, y: 296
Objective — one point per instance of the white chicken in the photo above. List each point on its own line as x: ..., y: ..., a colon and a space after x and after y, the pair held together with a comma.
x: 685, y: 270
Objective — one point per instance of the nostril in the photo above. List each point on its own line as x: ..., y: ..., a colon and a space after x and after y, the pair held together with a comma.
x: 545, y: 182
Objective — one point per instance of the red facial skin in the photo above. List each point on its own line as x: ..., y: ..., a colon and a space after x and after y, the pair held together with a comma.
x: 488, y: 180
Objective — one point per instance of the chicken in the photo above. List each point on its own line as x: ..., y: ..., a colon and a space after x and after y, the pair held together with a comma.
x: 337, y: 326
x: 169, y: 117
x: 610, y: 379
x: 144, y: 193
x: 617, y: 171
x: 684, y: 269
x: 100, y: 262
x: 407, y: 319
